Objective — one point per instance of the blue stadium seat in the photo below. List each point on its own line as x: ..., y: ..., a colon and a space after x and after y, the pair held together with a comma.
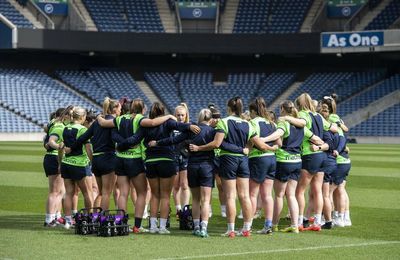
x: 125, y: 15
x: 13, y: 15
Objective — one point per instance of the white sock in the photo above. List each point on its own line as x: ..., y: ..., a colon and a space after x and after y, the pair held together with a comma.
x: 335, y: 214
x: 347, y: 214
x: 58, y: 215
x: 231, y: 227
x: 163, y: 223
x: 341, y: 216
x: 49, y: 218
x: 145, y: 208
x: 68, y: 219
x: 74, y: 211
x: 223, y: 208
x: 317, y: 220
x: 246, y: 226
x: 301, y: 218
x: 204, y: 225
x: 196, y: 223
x: 153, y: 222
x: 178, y: 207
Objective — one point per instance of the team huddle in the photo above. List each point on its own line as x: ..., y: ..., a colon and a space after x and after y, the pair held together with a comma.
x: 248, y: 155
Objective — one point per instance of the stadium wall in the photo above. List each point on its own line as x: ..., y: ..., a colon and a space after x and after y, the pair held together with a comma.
x: 169, y: 43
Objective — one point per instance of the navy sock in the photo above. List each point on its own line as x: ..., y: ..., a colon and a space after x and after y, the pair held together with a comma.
x: 138, y: 222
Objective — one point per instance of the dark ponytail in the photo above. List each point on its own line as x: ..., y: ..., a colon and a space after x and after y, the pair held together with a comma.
x: 289, y: 109
x: 137, y: 106
x: 236, y: 105
x: 259, y: 106
x: 156, y: 110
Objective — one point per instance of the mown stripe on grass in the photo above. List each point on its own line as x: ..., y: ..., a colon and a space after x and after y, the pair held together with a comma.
x: 284, y: 250
x: 23, y: 153
x: 381, y: 172
x: 380, y: 152
x: 23, y: 179
x: 374, y: 198
x: 375, y: 164
x: 21, y: 143
x: 27, y: 198
x: 21, y: 159
x: 374, y: 182
x: 39, y: 148
x: 375, y: 158
x: 23, y: 166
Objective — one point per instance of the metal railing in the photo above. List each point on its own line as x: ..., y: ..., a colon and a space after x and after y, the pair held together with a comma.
x: 9, y: 24
x: 77, y: 20
x: 316, y: 25
x: 356, y: 18
x: 40, y: 15
x: 178, y: 17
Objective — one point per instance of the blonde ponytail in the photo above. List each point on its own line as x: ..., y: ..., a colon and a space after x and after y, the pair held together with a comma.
x: 106, y: 105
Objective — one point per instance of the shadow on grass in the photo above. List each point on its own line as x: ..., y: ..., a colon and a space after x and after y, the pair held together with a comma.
x: 27, y: 222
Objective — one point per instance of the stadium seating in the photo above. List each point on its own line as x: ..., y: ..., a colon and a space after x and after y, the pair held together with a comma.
x: 10, y: 122
x: 199, y: 90
x: 34, y: 95
x: 13, y: 15
x: 195, y: 85
x: 84, y: 83
x: 364, y: 98
x: 385, y: 123
x: 274, y: 85
x: 100, y: 83
x: 125, y: 15
x: 269, y: 16
x: 386, y: 18
x: 344, y: 84
x: 118, y: 84
x: 165, y: 86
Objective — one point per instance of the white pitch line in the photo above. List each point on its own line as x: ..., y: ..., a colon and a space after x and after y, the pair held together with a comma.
x: 282, y: 250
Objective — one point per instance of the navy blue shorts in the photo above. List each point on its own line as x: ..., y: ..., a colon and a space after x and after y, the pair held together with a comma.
x: 328, y: 167
x: 181, y: 164
x: 217, y: 162
x: 342, y: 171
x: 130, y: 167
x: 313, y: 163
x: 201, y: 175
x: 50, y: 164
x: 103, y: 164
x: 232, y: 167
x: 160, y: 169
x: 286, y: 171
x: 262, y: 168
x: 75, y: 173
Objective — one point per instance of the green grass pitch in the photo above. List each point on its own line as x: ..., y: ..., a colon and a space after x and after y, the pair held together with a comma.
x: 373, y: 185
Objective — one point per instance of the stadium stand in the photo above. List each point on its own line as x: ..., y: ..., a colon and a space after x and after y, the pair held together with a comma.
x: 125, y: 16
x: 34, y: 95
x: 165, y: 86
x: 274, y: 85
x: 100, y: 83
x: 344, y: 84
x: 268, y: 16
x: 369, y: 95
x: 386, y: 18
x: 10, y: 122
x: 13, y: 15
x: 198, y: 89
x: 385, y: 123
x: 83, y: 82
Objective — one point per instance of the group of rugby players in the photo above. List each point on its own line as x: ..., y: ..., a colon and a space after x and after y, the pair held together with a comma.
x: 247, y: 155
